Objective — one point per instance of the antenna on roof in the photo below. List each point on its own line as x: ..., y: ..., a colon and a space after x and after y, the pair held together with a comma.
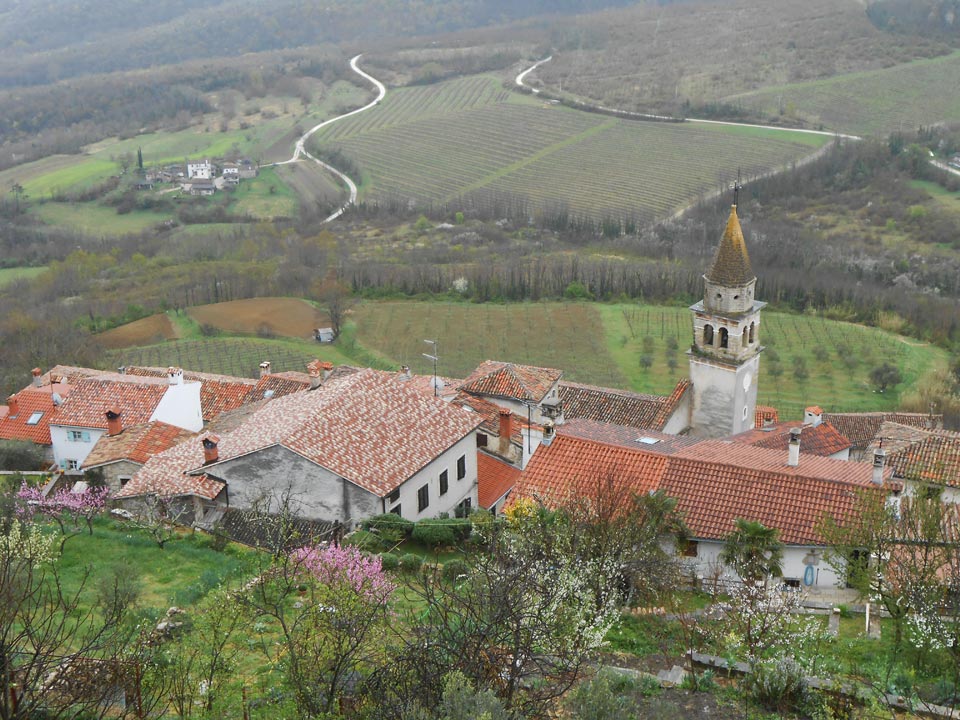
x: 737, y: 187
x: 435, y: 357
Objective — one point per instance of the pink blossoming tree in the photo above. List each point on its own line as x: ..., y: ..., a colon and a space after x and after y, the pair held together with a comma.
x: 66, y: 508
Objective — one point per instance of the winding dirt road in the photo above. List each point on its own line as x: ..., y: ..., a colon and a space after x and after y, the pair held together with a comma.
x: 300, y: 150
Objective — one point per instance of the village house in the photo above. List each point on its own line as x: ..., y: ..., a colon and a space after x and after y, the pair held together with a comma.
x: 818, y: 437
x: 926, y: 461
x: 358, y: 445
x: 199, y: 170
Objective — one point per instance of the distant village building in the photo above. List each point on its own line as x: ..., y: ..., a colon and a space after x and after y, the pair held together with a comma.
x: 199, y: 170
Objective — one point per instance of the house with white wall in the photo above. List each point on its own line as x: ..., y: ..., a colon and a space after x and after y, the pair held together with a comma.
x: 199, y: 170
x: 356, y: 446
x: 101, y: 404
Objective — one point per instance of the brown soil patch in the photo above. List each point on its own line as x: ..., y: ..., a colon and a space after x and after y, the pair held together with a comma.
x: 266, y: 317
x: 146, y: 331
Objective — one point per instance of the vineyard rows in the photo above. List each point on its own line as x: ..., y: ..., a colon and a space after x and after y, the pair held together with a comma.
x: 923, y: 92
x: 240, y: 357
x: 458, y: 142
x: 417, y: 103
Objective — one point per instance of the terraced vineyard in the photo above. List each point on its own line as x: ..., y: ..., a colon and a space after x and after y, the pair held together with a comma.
x: 923, y: 92
x: 468, y: 143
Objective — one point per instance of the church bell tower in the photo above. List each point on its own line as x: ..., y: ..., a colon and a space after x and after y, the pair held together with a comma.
x: 725, y: 355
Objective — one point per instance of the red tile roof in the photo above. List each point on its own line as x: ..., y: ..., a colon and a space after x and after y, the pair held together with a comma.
x: 507, y: 380
x: 571, y: 467
x: 29, y: 401
x: 490, y: 415
x: 495, y: 479
x: 136, y: 397
x: 823, y: 439
x: 218, y: 393
x: 930, y: 456
x: 277, y: 385
x: 137, y: 443
x: 625, y: 436
x: 367, y: 427
x: 620, y: 407
x: 861, y: 428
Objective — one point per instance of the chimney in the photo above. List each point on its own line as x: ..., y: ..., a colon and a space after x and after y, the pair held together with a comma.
x: 314, y: 371
x: 327, y: 368
x: 264, y: 368
x: 505, y: 431
x: 812, y: 416
x: 37, y: 372
x: 793, y: 449
x: 114, y: 421
x: 879, y: 459
x: 175, y: 375
x: 768, y: 423
x: 122, y: 370
x: 405, y: 372
x: 210, y: 452
x: 549, y: 432
x: 13, y: 408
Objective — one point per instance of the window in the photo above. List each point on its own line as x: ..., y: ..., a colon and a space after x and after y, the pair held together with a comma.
x: 124, y: 481
x: 394, y: 496
x: 78, y: 436
x: 724, y: 338
x: 463, y: 509
x: 746, y: 411
x: 690, y: 549
x: 73, y: 465
x: 481, y: 440
x: 461, y: 467
x: 753, y: 327
x: 423, y: 498
x: 396, y: 510
x: 34, y: 418
x: 443, y: 483
x: 708, y: 334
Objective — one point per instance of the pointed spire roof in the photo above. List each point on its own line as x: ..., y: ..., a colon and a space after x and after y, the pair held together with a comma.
x: 731, y: 264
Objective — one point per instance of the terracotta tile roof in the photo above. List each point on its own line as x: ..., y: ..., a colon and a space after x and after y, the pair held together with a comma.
x: 218, y: 393
x: 490, y: 415
x: 823, y: 439
x: 625, y: 436
x: 861, y: 428
x: 366, y: 427
x: 69, y: 373
x: 136, y: 397
x: 507, y: 380
x: 137, y: 443
x: 30, y: 400
x: 764, y: 413
x: 571, y: 467
x: 424, y: 383
x: 620, y: 407
x: 712, y: 495
x: 731, y: 264
x: 277, y: 385
x: 930, y: 456
x: 495, y: 479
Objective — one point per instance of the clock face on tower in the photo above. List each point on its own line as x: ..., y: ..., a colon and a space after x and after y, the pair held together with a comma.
x: 747, y: 379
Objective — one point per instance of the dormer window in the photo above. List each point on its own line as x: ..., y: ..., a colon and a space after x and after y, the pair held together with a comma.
x: 34, y: 418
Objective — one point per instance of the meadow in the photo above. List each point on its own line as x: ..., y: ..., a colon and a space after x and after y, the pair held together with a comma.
x: 466, y: 142
x: 876, y: 102
x: 642, y: 348
x: 9, y: 275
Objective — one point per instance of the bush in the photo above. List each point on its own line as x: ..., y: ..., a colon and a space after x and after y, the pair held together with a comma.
x: 410, y: 563
x: 778, y: 685
x: 462, y: 527
x: 434, y: 533
x: 389, y: 561
x: 389, y: 526
x: 365, y: 541
x: 20, y: 455
x: 453, y: 569
x: 602, y: 698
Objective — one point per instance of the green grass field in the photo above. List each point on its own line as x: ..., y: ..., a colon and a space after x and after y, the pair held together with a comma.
x: 266, y: 196
x: 9, y: 275
x: 469, y: 139
x: 603, y: 345
x: 240, y: 357
x: 923, y: 92
x: 96, y: 220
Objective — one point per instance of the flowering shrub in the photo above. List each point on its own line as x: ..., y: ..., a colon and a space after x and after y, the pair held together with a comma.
x: 27, y: 543
x: 337, y: 565
x: 63, y: 506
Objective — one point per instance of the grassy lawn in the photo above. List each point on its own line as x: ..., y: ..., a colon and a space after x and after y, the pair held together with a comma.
x: 266, y: 196
x: 97, y: 220
x: 603, y: 345
x: 82, y: 172
x: 9, y: 275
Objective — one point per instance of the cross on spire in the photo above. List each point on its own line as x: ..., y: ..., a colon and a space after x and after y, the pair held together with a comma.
x: 737, y: 187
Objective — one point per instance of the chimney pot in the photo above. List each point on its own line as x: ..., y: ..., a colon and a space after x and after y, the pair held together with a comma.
x: 405, y: 372
x: 264, y: 368
x: 327, y: 368
x: 879, y: 460
x: 211, y: 453
x: 37, y: 372
x: 175, y: 375
x: 114, y: 421
x: 812, y: 416
x: 505, y: 431
x: 315, y: 372
x: 13, y: 406
x: 793, y: 449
